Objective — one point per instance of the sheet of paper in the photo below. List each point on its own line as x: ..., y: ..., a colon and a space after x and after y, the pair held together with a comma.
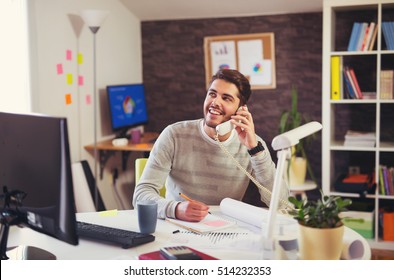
x: 210, y: 223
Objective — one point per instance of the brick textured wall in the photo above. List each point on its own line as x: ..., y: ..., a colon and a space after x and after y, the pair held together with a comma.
x: 174, y: 75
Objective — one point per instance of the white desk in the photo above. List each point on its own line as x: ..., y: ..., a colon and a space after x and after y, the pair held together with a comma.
x: 125, y: 219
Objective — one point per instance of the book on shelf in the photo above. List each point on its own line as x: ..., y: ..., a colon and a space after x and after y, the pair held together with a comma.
x: 373, y: 39
x: 354, y: 78
x: 386, y: 177
x: 388, y: 30
x: 362, y: 36
x: 368, y: 36
x: 353, y: 37
x: 335, y: 77
x: 360, y: 135
x: 387, y: 84
x: 359, y: 139
x: 355, y: 92
x: 369, y: 94
x: 349, y: 91
x: 359, y: 143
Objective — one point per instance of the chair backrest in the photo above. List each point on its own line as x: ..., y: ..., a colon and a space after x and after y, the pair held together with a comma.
x: 84, y: 189
x: 139, y: 168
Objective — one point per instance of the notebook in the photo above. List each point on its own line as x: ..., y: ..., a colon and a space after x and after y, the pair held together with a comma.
x: 211, y: 222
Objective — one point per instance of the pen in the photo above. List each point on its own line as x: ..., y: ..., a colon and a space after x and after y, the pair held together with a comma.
x: 185, y: 197
x: 188, y: 198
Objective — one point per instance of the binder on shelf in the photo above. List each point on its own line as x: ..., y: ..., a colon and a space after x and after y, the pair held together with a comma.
x: 335, y: 78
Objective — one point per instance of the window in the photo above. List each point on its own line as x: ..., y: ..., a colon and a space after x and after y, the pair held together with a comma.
x: 14, y: 56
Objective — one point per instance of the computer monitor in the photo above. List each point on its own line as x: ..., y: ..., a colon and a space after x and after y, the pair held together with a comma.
x: 35, y: 176
x: 127, y: 107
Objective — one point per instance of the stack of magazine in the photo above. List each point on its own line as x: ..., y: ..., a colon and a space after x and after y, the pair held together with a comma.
x: 360, y: 139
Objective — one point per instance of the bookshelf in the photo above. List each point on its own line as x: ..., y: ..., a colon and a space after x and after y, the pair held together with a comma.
x: 370, y: 114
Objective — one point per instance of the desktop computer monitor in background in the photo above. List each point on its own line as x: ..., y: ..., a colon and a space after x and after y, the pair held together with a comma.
x: 127, y: 107
x: 35, y: 177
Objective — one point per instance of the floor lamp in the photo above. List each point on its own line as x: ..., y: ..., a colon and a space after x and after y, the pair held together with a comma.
x: 94, y: 19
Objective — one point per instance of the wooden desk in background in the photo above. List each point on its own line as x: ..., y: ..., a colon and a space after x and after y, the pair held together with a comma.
x: 106, y: 149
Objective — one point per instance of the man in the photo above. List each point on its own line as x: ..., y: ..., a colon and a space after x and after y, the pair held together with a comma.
x: 189, y: 161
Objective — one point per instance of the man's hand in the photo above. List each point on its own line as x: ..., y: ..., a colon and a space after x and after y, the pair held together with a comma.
x: 191, y: 211
x: 243, y: 121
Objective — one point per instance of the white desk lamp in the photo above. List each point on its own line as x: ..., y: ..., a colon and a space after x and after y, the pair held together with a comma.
x: 282, y: 144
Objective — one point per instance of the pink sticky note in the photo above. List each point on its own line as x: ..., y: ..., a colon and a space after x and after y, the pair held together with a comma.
x: 217, y: 223
x: 88, y: 99
x: 80, y: 80
x: 69, y: 54
x: 59, y: 68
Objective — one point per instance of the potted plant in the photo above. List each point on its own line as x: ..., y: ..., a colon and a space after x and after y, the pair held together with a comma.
x: 298, y: 165
x: 320, y: 226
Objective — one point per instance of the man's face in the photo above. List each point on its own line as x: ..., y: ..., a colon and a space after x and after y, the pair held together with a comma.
x: 221, y: 102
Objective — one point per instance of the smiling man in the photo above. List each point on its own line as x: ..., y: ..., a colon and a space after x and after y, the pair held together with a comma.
x: 188, y: 160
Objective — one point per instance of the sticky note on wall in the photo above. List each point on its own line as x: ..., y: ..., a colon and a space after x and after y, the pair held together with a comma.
x: 69, y: 55
x: 80, y: 58
x: 68, y: 98
x: 69, y: 78
x: 59, y: 68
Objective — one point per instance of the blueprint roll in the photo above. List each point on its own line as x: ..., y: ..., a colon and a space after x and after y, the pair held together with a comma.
x: 353, y: 248
x: 285, y: 226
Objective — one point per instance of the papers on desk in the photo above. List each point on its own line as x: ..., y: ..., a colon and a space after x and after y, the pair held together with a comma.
x: 209, y: 223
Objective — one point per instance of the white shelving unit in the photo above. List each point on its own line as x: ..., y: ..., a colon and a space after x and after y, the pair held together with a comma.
x: 357, y: 114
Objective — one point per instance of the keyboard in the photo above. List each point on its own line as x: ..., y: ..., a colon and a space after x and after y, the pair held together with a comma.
x: 124, y: 238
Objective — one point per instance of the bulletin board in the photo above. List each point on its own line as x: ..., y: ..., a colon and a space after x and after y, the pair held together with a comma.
x: 251, y: 54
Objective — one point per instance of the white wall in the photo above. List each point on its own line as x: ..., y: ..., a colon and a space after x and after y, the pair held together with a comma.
x: 55, y: 27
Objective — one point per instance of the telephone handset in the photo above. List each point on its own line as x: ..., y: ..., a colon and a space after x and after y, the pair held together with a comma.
x: 224, y: 128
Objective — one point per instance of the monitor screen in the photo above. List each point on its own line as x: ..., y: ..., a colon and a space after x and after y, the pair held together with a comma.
x: 127, y: 106
x: 35, y: 159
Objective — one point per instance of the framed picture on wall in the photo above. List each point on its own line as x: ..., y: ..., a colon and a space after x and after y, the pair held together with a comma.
x: 251, y: 54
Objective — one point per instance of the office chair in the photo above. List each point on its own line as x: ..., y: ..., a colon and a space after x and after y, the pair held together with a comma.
x: 84, y: 191
x: 139, y: 168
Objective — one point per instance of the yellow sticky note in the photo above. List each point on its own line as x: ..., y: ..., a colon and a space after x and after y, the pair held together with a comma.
x: 109, y: 213
x: 68, y: 98
x: 80, y: 58
x: 69, y: 78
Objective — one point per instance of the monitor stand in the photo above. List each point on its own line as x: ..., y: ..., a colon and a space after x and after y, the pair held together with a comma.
x: 23, y: 252
x: 123, y: 134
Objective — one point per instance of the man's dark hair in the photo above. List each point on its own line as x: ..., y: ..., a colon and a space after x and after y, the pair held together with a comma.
x: 236, y: 78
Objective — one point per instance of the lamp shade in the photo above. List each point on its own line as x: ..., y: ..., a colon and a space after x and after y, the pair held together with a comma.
x: 293, y: 137
x: 94, y: 18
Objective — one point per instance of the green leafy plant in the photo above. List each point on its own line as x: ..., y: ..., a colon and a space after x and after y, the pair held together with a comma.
x: 322, y: 213
x: 293, y: 119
